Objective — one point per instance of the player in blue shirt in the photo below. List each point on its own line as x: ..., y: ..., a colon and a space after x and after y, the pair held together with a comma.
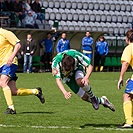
x: 87, y: 43
x: 63, y: 44
x: 101, y: 52
x: 48, y: 46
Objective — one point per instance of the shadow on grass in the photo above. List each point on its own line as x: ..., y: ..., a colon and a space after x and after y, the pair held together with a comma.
x: 100, y: 125
x: 37, y: 112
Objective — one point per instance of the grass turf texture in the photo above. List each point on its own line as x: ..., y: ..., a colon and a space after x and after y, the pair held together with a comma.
x: 59, y: 115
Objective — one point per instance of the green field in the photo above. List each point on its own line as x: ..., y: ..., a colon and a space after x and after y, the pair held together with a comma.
x: 59, y: 115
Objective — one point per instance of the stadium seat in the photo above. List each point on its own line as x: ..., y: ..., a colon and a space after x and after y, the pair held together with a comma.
x: 51, y: 22
x: 47, y: 15
x: 96, y: 5
x: 101, y: 6
x: 129, y: 17
x: 107, y: 6
x: 104, y: 26
x: 79, y: 5
x: 123, y: 6
x: 85, y: 5
x: 118, y: 6
x: 115, y: 16
x: 108, y: 16
x: 62, y: 4
x: 57, y: 4
x: 51, y: 4
x: 45, y: 4
x: 75, y: 16
x: 70, y: 16
x: 68, y: 4
x: 98, y: 16
x: 74, y: 5
x: 39, y: 23
x: 90, y: 5
x: 86, y: 17
x: 36, y: 62
x: 112, y: 6
x: 129, y: 6
x: 107, y: 63
x: 119, y: 61
x: 99, y: 27
x: 52, y: 16
x: 58, y: 16
x: 64, y: 16
x: 81, y: 17
x: 85, y: 23
x: 120, y: 16
x: 93, y: 15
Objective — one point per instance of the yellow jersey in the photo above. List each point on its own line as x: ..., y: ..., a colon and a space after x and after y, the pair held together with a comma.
x: 7, y: 43
x: 127, y: 55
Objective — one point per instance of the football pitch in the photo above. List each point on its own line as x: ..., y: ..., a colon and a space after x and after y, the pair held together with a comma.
x: 58, y: 115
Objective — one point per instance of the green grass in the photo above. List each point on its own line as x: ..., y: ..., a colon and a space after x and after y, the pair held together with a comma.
x: 59, y: 115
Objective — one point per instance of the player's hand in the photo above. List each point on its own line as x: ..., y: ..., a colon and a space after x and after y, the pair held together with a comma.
x: 10, y: 60
x: 127, y: 80
x: 120, y: 82
x: 67, y: 95
x: 84, y: 81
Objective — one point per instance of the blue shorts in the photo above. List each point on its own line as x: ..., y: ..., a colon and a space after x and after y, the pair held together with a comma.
x: 88, y: 55
x: 9, y: 70
x: 129, y: 87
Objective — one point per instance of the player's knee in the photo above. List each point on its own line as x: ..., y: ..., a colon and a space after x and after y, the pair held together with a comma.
x: 78, y: 81
x: 85, y: 97
x: 126, y: 97
x: 2, y: 84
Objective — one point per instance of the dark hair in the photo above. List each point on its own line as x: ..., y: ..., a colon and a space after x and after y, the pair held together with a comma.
x: 102, y: 37
x: 68, y: 62
x: 129, y: 35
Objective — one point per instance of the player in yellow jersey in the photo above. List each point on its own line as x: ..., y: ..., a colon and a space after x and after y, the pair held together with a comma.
x: 127, y: 59
x: 9, y: 47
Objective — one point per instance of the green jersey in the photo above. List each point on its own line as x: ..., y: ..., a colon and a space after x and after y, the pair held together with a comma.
x: 80, y: 60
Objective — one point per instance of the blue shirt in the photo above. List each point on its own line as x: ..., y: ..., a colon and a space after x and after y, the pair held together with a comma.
x: 102, y: 48
x: 87, y: 43
x: 62, y: 45
x: 48, y: 43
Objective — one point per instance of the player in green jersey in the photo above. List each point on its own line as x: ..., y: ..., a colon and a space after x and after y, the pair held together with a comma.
x: 68, y: 67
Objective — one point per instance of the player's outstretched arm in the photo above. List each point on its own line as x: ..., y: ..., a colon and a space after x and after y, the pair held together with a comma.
x: 67, y: 95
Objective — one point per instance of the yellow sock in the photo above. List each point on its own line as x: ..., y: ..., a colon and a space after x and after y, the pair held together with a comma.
x: 127, y: 107
x: 8, y: 96
x: 96, y: 68
x: 101, y: 68
x: 25, y: 92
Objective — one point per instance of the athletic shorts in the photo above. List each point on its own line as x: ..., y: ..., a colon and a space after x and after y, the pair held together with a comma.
x: 72, y: 83
x: 9, y: 70
x: 88, y: 55
x: 129, y: 87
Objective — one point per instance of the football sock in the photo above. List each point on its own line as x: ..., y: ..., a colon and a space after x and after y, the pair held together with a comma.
x: 101, y: 68
x: 8, y: 97
x: 25, y: 92
x: 87, y: 89
x: 96, y: 68
x: 101, y: 101
x: 127, y: 107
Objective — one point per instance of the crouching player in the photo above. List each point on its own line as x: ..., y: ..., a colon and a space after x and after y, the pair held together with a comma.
x: 68, y: 66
